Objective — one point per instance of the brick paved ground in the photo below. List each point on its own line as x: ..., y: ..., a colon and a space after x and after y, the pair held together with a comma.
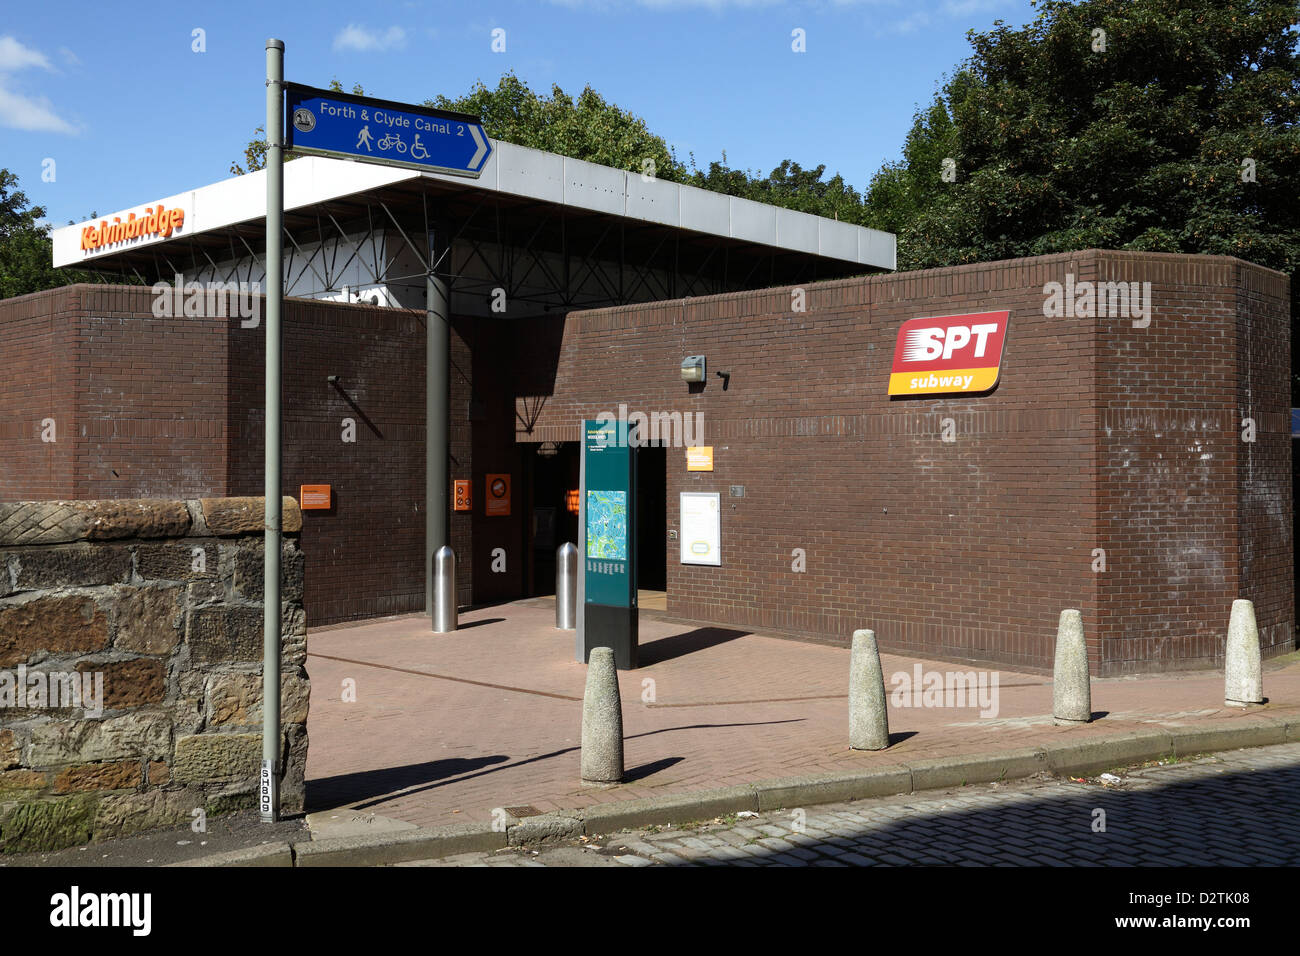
x: 447, y: 727
x: 1235, y: 809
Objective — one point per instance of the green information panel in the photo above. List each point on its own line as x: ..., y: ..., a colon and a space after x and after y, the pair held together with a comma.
x: 610, y: 522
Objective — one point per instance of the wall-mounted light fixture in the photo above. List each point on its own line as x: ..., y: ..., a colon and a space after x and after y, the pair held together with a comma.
x: 332, y: 379
x: 693, y: 368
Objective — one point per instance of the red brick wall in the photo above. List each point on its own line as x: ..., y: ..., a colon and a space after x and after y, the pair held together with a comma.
x: 173, y: 407
x: 150, y: 397
x: 1265, y: 493
x: 365, y: 555
x: 37, y: 358
x: 1097, y: 437
x: 968, y: 549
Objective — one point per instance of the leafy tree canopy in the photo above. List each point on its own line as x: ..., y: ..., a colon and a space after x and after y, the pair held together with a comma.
x: 1174, y: 130
x: 26, y: 252
x: 591, y: 128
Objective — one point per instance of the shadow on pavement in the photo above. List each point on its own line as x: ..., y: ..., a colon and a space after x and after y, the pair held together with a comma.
x: 679, y: 645
x: 650, y: 769
x: 377, y: 787
x: 330, y: 792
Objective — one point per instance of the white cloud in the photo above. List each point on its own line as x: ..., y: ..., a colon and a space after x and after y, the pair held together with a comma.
x: 18, y: 110
x: 363, y: 40
x: 14, y: 56
x: 33, y: 113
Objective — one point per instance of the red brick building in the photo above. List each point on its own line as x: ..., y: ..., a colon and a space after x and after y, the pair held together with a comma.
x: 1136, y: 468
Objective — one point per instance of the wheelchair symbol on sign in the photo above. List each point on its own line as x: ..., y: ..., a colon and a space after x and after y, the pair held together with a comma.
x: 417, y: 149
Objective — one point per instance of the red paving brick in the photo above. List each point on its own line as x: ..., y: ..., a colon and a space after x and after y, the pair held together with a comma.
x: 447, y: 727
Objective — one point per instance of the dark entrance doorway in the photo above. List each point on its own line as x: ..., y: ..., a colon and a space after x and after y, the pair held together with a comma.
x: 652, y: 518
x: 554, y: 517
x: 554, y: 514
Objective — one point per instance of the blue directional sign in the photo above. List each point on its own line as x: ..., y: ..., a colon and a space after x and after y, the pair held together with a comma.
x: 346, y: 126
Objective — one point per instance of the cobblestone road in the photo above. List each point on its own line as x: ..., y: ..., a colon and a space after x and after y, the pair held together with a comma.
x: 1240, y: 808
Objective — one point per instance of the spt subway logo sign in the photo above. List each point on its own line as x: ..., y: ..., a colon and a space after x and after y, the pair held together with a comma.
x: 953, y: 353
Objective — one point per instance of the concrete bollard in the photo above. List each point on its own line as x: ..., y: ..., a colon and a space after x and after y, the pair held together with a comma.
x: 602, y: 720
x: 1243, y: 676
x: 1071, y: 684
x: 868, y: 715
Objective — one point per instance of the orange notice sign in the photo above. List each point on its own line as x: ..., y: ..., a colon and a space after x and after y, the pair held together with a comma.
x: 498, y: 496
x: 699, y: 458
x: 314, y: 497
x: 461, y: 500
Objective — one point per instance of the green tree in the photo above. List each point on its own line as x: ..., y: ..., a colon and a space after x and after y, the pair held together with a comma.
x: 591, y: 128
x: 1144, y: 138
x: 588, y: 127
x: 26, y: 252
x: 789, y: 185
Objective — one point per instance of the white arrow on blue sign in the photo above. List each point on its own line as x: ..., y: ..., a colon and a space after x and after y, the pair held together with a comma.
x: 346, y: 126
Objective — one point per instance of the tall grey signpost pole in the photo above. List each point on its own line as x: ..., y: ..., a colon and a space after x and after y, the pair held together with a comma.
x: 269, y: 790
x: 436, y: 383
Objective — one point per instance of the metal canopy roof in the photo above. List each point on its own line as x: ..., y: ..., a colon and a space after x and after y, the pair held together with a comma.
x: 229, y: 216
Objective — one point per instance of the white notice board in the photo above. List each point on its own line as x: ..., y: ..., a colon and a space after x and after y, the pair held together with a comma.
x: 701, y: 522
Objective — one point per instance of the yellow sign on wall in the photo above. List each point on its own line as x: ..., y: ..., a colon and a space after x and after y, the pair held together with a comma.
x: 699, y: 458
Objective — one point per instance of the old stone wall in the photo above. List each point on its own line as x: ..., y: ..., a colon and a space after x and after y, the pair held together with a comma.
x: 130, y: 665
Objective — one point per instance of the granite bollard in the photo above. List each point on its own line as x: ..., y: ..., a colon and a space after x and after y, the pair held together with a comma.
x: 868, y: 714
x: 1243, y: 679
x: 1071, y: 683
x: 602, y: 720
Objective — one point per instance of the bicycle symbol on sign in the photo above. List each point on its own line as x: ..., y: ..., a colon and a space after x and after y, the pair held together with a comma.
x: 417, y: 149
x: 391, y: 141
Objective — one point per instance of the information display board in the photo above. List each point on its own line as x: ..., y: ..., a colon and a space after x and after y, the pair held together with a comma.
x: 701, y: 521
x: 607, y: 515
x: 608, y: 502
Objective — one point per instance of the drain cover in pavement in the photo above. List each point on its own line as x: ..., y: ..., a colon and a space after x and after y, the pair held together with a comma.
x: 520, y: 812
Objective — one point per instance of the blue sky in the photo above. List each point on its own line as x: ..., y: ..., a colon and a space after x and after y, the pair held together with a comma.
x: 115, y: 95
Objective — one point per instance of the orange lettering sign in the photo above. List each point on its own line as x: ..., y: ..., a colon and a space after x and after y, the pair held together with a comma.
x: 158, y: 221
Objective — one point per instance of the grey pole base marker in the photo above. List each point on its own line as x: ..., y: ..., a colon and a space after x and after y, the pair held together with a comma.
x: 868, y: 715
x: 445, y: 616
x: 1071, y: 683
x: 1243, y: 683
x: 566, y: 586
x: 602, y: 721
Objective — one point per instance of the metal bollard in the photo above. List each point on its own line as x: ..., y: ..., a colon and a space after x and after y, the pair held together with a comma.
x: 566, y: 586
x: 444, y: 590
